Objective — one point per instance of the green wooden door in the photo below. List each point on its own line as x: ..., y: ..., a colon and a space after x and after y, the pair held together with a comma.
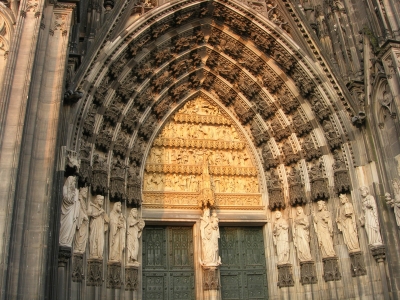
x: 168, y: 263
x: 243, y: 273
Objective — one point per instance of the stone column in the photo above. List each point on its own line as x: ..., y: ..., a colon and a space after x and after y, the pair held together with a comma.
x: 379, y: 253
x: 64, y: 255
x: 31, y: 105
x: 211, y: 286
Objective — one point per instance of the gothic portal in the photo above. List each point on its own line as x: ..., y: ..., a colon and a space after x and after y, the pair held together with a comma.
x: 199, y: 149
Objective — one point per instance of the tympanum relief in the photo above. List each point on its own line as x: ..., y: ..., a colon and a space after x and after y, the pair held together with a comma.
x: 200, y: 146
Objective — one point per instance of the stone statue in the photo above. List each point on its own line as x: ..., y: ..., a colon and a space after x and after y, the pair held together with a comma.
x: 346, y: 222
x: 209, y: 232
x: 98, y: 226
x: 117, y: 233
x: 370, y: 219
x: 395, y: 203
x: 135, y: 228
x: 324, y: 229
x: 69, y: 212
x: 281, y: 238
x: 82, y: 227
x: 301, y: 235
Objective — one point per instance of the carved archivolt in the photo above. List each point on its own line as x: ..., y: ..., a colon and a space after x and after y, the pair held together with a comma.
x: 200, y: 146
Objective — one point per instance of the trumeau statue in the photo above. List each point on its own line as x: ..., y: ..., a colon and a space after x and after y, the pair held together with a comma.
x: 98, y: 226
x: 69, y: 212
x: 370, y: 219
x: 117, y: 233
x: 209, y: 232
x: 301, y: 235
x: 324, y: 229
x: 135, y: 228
x: 82, y: 227
x: 281, y: 238
x: 346, y: 222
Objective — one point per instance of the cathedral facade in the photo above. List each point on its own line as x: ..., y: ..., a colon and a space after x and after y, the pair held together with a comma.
x: 199, y: 149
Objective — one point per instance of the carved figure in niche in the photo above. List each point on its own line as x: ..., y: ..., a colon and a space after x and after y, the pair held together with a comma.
x: 370, y: 219
x: 156, y: 155
x: 301, y: 235
x: 135, y: 229
x: 117, y: 233
x: 82, y: 227
x: 324, y: 229
x: 395, y: 203
x: 98, y: 226
x: 346, y: 222
x: 281, y: 238
x: 69, y: 212
x: 209, y: 232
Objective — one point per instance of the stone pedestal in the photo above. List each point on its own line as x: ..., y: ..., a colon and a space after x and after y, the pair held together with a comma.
x: 64, y: 254
x: 331, y: 269
x: 94, y: 272
x: 308, y: 274
x: 77, y: 268
x: 131, y: 278
x: 357, y: 264
x: 114, y: 280
x: 211, y: 280
x: 285, y: 275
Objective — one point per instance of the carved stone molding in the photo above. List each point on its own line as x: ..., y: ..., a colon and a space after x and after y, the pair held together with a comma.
x: 114, y: 280
x: 275, y: 191
x: 357, y: 264
x: 64, y: 254
x: 100, y: 175
x: 331, y: 269
x: 308, y: 274
x: 210, y: 278
x: 341, y: 174
x: 131, y: 278
x: 77, y: 268
x: 285, y: 275
x: 378, y: 252
x: 94, y: 272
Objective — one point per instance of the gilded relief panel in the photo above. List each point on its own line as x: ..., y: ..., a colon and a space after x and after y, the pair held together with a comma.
x: 200, y: 155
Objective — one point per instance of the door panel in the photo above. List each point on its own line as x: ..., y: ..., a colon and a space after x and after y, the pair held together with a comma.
x: 243, y: 273
x: 168, y: 272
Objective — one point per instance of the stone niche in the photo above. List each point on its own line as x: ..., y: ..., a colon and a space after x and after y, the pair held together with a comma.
x: 200, y: 138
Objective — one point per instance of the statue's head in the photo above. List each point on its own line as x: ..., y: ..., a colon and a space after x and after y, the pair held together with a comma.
x: 343, y: 198
x: 364, y: 191
x: 134, y: 212
x: 100, y: 200
x: 321, y: 205
x: 278, y: 215
x: 117, y: 207
x: 299, y: 210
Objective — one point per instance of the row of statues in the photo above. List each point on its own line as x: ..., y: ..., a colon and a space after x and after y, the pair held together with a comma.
x: 82, y: 222
x: 195, y: 157
x: 192, y: 183
x: 323, y: 225
x: 174, y: 130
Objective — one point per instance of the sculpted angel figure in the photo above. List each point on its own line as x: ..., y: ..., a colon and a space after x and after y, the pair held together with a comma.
x: 324, y: 229
x: 82, y: 227
x: 135, y: 229
x: 98, y: 226
x: 301, y: 235
x: 69, y: 212
x: 117, y: 233
x: 346, y: 222
x: 370, y: 219
x: 281, y: 238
